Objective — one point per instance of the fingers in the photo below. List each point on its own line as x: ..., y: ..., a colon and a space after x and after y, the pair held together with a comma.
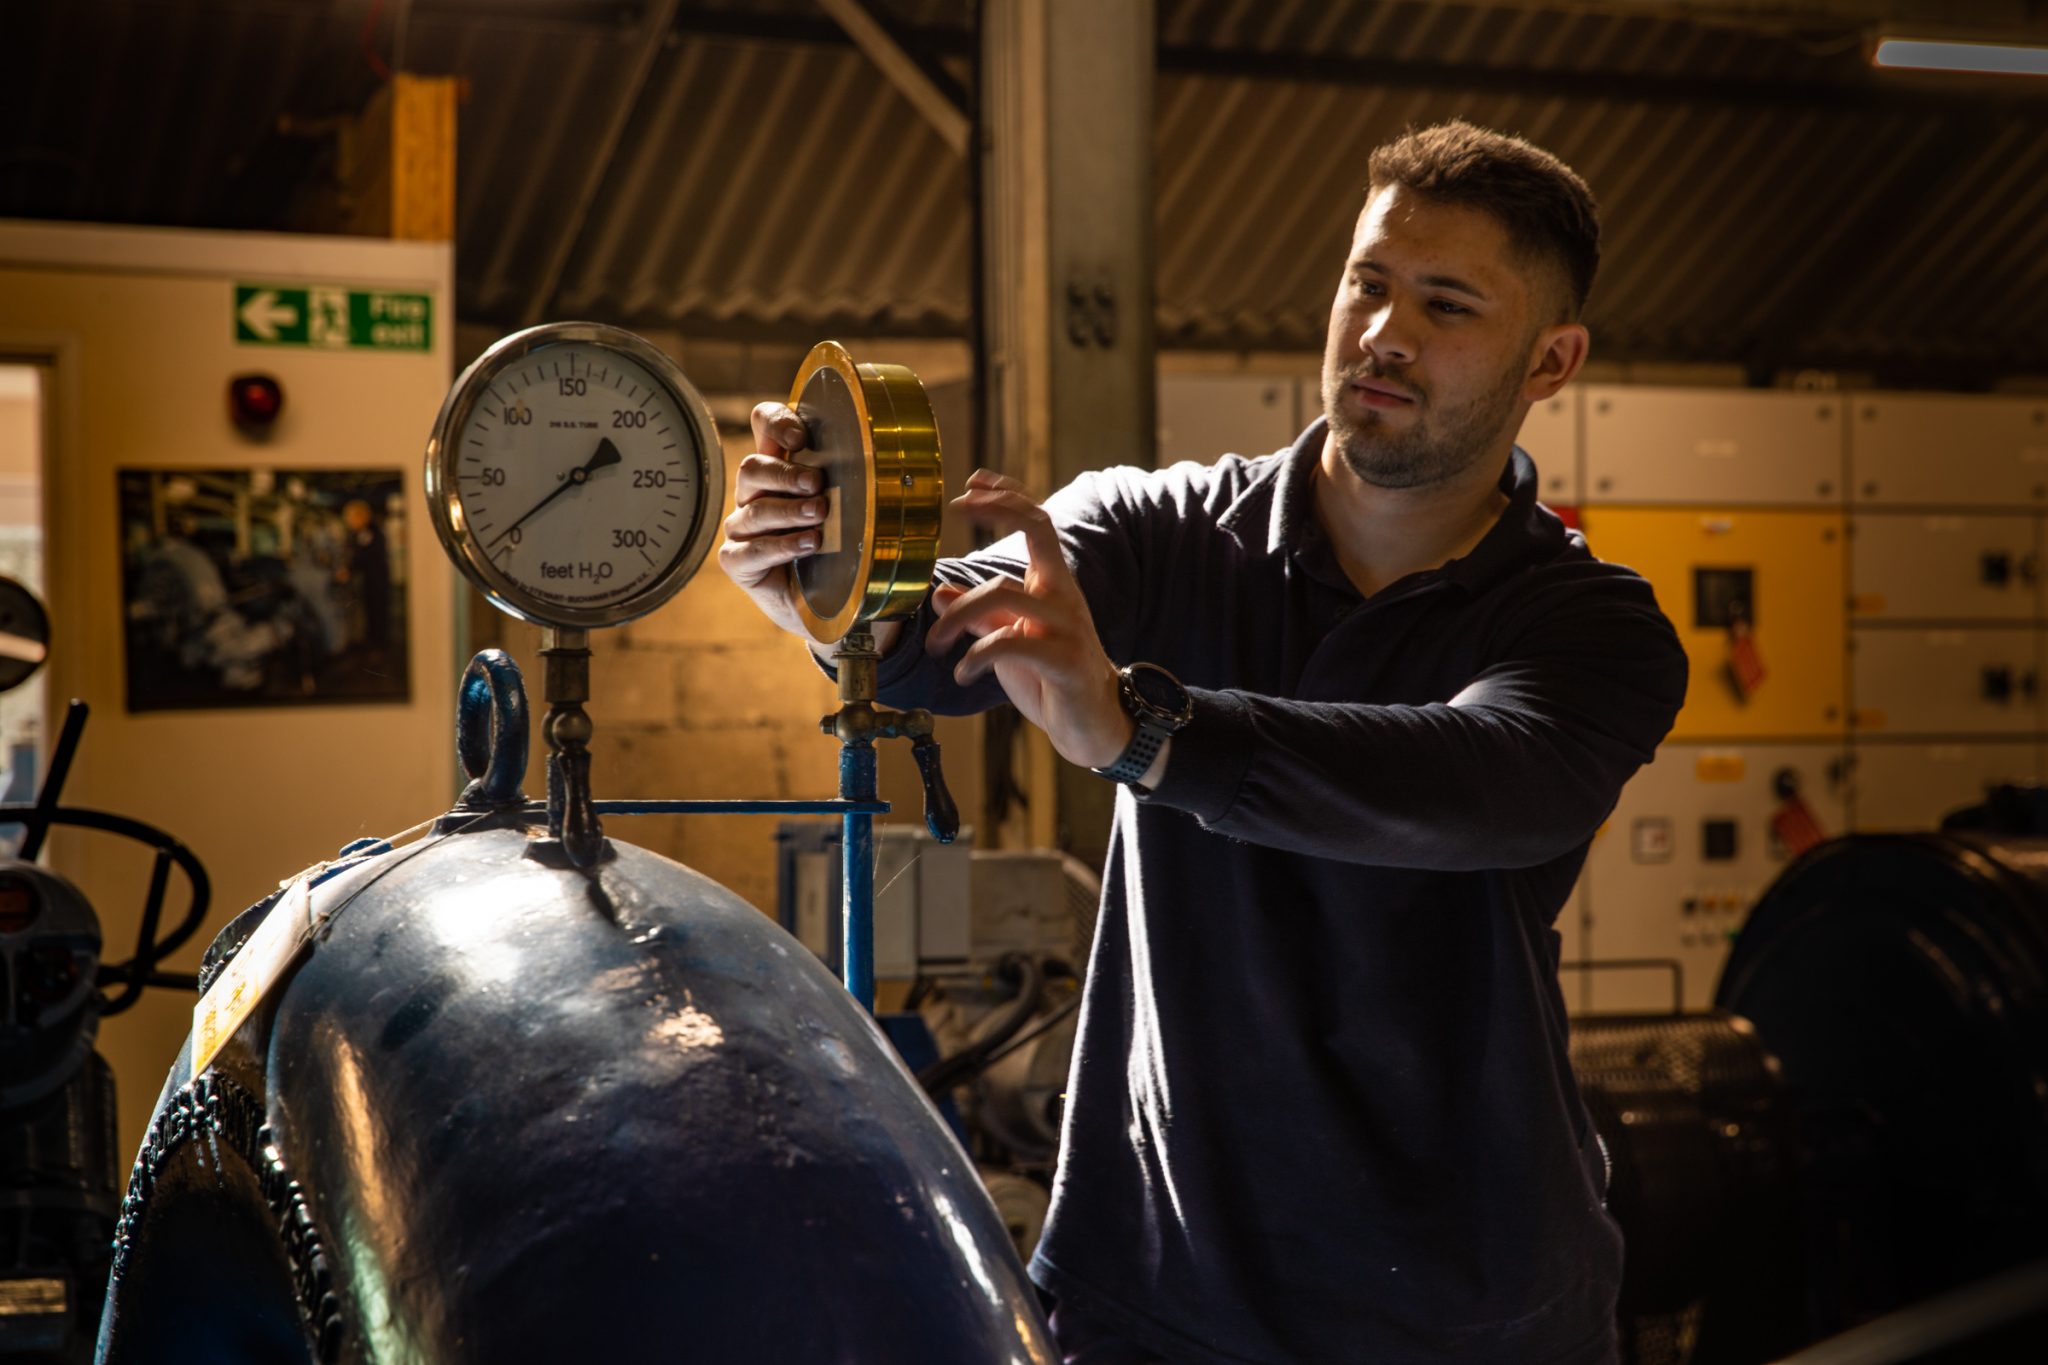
x: 988, y: 478
x: 1008, y: 644
x: 987, y: 607
x: 763, y: 476
x: 763, y: 515
x: 778, y: 430
x: 1011, y: 509
x: 748, y: 562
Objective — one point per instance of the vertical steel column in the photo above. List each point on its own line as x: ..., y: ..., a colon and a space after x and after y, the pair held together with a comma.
x: 1066, y: 184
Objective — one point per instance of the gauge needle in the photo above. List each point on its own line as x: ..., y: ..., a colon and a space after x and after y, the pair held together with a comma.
x: 605, y: 454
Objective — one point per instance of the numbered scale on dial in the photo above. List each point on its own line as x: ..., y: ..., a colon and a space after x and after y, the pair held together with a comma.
x: 575, y: 476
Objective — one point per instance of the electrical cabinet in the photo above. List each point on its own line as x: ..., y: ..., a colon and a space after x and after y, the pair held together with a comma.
x: 1856, y: 581
x: 1778, y: 577
x: 1712, y: 447
x: 1896, y: 788
x: 1943, y: 566
x: 922, y: 895
x: 1948, y: 450
x: 1695, y: 839
x: 1550, y: 434
x: 1202, y: 416
x: 1946, y: 681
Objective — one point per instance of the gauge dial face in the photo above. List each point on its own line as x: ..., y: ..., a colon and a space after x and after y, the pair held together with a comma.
x: 574, y: 474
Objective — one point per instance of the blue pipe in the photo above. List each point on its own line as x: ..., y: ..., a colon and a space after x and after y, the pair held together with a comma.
x: 857, y: 923
x: 634, y: 807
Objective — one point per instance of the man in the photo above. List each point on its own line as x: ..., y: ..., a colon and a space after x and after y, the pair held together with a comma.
x: 1321, y: 1109
x: 367, y: 569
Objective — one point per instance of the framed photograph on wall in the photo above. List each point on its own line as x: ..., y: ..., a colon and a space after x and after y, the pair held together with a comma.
x: 263, y: 587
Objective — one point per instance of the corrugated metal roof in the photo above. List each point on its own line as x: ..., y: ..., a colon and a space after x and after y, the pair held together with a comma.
x: 1767, y: 201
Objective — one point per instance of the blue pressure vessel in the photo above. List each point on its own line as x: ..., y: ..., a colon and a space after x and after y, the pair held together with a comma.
x: 505, y: 1110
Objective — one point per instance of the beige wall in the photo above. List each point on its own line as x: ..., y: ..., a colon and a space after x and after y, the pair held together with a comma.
x: 138, y: 328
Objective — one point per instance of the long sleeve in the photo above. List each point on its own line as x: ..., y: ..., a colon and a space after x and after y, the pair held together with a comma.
x: 1097, y: 548
x: 1519, y: 767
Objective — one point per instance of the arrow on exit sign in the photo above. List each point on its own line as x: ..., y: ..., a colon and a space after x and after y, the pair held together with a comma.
x: 333, y: 318
x: 261, y: 315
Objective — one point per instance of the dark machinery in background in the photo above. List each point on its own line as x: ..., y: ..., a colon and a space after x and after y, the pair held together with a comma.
x: 60, y: 1185
x: 1862, y: 1123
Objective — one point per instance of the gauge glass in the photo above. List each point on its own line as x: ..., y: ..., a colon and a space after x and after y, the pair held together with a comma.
x: 577, y: 474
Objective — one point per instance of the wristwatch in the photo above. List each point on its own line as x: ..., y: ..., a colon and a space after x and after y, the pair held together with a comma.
x: 1154, y: 699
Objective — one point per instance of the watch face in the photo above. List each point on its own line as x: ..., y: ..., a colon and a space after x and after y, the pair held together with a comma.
x: 1159, y: 690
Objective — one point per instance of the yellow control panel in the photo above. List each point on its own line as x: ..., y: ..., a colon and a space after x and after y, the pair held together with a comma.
x: 1757, y: 597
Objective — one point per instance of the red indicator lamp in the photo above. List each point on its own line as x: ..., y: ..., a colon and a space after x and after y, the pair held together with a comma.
x: 254, y: 402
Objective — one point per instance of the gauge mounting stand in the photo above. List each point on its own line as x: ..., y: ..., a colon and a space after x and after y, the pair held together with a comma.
x: 875, y: 443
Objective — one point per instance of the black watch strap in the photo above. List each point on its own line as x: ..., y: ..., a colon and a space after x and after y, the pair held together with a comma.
x: 1136, y: 759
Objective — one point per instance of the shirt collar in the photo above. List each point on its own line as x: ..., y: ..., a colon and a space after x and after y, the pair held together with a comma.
x: 1526, y: 530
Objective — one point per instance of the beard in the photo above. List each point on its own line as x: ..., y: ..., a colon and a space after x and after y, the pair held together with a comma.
x: 1436, y: 446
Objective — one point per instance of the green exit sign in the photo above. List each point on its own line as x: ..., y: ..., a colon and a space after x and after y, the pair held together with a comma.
x: 333, y: 319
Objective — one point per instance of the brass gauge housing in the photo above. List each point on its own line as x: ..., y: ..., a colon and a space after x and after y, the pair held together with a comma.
x: 875, y: 441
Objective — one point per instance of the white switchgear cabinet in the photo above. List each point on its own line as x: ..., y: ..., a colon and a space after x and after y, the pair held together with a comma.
x: 1948, y: 450
x: 1202, y: 416
x: 1686, y: 853
x: 1947, y: 566
x: 1550, y: 434
x: 1896, y: 788
x: 1946, y: 681
x: 1712, y: 447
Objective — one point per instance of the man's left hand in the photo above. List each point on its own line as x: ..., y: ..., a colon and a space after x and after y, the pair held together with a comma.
x: 1037, y: 636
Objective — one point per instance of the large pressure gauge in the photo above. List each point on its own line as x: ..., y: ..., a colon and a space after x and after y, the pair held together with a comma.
x: 574, y: 476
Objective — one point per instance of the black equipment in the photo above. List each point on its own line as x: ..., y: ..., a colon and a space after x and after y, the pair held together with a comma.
x: 1861, y: 1125
x: 1902, y: 982
x: 1702, y: 1148
x: 59, y: 1169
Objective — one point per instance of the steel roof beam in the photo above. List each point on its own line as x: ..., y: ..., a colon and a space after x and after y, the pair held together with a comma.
x: 1530, y: 82
x: 928, y: 88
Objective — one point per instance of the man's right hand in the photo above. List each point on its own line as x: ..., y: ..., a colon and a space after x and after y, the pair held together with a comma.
x: 777, y: 506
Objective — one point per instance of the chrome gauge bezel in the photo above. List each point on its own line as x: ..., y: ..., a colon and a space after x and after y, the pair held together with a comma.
x: 444, y: 495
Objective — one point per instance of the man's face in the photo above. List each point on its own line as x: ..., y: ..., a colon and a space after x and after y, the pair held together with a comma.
x: 1431, y: 342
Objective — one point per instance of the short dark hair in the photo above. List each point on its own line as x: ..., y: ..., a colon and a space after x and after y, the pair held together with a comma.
x: 1548, y: 212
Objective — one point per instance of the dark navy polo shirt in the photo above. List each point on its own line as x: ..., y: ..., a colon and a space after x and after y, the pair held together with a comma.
x: 1321, y: 1109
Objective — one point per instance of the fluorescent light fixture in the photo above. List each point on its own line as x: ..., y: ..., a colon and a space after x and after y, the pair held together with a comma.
x: 1944, y: 54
